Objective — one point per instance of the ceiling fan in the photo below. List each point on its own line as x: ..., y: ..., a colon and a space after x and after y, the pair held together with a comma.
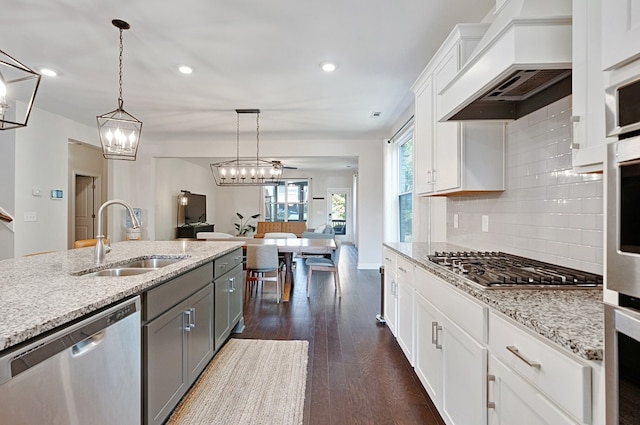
x: 279, y: 164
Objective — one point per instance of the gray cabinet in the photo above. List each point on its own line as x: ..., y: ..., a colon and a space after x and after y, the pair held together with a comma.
x: 228, y: 303
x: 177, y: 339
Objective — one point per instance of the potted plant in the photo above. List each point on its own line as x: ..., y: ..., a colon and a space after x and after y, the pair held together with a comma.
x: 243, y: 227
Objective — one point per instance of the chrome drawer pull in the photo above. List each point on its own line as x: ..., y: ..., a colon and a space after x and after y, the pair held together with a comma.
x: 434, y: 334
x: 402, y: 270
x: 490, y: 404
x: 516, y: 352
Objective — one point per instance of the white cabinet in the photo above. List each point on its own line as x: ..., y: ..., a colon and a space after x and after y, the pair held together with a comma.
x: 390, y: 297
x: 587, y: 121
x: 560, y: 382
x: 512, y: 399
x: 449, y: 361
x: 405, y: 295
x: 452, y: 157
x: 620, y: 32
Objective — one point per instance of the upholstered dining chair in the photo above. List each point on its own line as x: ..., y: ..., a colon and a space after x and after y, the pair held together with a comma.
x: 263, y: 259
x: 325, y: 265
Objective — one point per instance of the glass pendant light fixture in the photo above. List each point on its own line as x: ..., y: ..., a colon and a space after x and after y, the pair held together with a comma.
x: 18, y: 83
x: 247, y: 171
x: 119, y: 130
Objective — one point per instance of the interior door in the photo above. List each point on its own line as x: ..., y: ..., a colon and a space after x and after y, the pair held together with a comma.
x: 339, y: 212
x: 85, y: 207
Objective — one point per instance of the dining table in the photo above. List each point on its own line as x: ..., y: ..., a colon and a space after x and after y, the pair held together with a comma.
x: 290, y: 246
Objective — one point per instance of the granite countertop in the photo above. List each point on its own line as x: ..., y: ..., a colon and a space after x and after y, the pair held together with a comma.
x: 42, y: 292
x: 570, y: 318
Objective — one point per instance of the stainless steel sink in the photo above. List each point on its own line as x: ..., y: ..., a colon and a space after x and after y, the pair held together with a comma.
x: 120, y: 271
x: 151, y: 263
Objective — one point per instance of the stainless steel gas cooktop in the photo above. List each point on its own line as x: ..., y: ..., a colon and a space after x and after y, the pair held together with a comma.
x: 501, y: 270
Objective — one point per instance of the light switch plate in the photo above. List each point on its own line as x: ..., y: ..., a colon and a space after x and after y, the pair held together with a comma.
x: 30, y: 216
x: 485, y: 223
x: 455, y: 221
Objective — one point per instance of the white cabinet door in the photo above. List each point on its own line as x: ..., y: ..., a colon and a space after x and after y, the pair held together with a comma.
x: 588, y: 127
x: 446, y: 174
x: 620, y: 32
x: 423, y: 140
x: 515, y: 401
x: 390, y: 300
x: 406, y: 322
x: 464, y: 369
x: 428, y: 365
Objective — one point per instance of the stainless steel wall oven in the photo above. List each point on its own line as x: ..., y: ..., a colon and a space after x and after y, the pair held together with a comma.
x: 622, y: 322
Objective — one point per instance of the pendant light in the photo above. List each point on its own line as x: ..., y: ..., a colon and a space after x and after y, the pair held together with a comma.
x: 18, y: 83
x: 247, y: 171
x: 119, y: 130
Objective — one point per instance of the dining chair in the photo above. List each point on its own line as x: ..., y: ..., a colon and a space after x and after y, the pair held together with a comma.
x: 262, y: 259
x: 325, y: 265
x: 280, y: 235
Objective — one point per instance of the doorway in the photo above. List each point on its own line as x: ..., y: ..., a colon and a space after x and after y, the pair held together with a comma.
x: 339, y: 208
x: 87, y: 201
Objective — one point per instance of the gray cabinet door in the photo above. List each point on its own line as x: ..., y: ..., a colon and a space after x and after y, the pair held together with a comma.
x: 222, y: 325
x: 166, y: 377
x: 236, y: 296
x: 200, y: 335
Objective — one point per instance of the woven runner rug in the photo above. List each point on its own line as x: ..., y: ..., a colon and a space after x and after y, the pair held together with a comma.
x: 249, y: 381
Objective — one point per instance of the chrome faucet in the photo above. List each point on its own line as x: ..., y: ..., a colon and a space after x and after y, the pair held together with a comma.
x: 101, y: 250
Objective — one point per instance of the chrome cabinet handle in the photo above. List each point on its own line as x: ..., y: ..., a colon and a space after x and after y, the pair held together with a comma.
x: 223, y: 265
x: 435, y: 179
x: 516, y: 352
x: 574, y: 144
x: 490, y: 404
x: 434, y: 335
x: 232, y: 284
x: 192, y: 318
x: 402, y: 270
x: 186, y: 314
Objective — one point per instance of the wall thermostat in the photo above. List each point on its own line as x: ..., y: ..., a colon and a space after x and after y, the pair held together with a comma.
x: 56, y: 194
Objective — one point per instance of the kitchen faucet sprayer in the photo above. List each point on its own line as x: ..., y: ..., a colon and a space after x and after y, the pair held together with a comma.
x: 101, y: 250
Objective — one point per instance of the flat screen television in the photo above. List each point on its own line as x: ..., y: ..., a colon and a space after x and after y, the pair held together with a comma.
x: 196, y: 209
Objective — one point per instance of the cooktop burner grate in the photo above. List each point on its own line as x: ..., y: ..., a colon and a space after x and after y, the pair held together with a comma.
x: 502, y: 270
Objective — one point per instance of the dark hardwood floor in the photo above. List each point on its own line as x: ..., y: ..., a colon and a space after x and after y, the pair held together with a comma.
x: 357, y: 373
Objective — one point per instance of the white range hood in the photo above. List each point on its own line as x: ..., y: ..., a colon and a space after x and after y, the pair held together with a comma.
x: 522, y: 63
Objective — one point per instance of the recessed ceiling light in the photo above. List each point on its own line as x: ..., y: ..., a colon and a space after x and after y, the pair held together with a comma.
x: 376, y: 114
x: 328, y: 66
x: 48, y: 72
x: 185, y: 69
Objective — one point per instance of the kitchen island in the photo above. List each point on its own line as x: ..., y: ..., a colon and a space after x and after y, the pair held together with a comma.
x: 40, y: 293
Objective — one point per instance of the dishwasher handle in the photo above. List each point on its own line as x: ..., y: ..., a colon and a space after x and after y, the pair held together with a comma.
x: 81, y: 338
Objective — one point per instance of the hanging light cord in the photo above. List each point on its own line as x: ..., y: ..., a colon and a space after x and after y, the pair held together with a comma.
x: 120, y: 101
x: 257, y: 139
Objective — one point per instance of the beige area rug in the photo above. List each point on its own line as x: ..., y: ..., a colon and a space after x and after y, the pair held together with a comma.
x: 249, y: 381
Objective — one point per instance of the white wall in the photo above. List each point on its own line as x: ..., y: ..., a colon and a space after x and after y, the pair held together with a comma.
x: 547, y: 212
x: 41, y: 162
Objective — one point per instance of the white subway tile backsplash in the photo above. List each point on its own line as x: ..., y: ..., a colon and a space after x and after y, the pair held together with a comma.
x: 546, y: 212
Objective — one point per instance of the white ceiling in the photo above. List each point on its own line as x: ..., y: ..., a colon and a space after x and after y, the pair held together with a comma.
x: 245, y: 54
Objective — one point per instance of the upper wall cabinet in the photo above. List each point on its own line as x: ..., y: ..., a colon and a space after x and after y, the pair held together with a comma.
x: 620, y: 32
x: 588, y: 128
x: 452, y: 157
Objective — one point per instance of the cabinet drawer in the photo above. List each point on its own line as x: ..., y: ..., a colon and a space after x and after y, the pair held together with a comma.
x: 389, y: 258
x: 465, y: 312
x: 227, y: 262
x: 163, y: 297
x: 564, y: 379
x: 404, y: 271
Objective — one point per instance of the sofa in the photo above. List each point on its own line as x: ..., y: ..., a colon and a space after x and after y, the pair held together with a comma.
x: 321, y: 232
x: 295, y: 227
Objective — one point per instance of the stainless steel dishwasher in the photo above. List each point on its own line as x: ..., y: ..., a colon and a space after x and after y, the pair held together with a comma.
x: 86, y: 373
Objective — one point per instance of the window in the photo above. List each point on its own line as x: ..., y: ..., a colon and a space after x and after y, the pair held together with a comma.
x: 286, y: 201
x: 405, y: 187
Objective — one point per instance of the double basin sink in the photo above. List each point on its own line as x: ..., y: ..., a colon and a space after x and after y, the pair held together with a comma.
x: 135, y: 267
